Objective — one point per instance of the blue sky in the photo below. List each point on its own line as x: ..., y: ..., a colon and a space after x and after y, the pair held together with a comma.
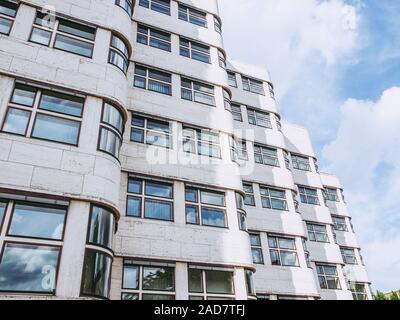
x: 336, y: 69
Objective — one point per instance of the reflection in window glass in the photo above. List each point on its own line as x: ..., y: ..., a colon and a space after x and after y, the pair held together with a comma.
x: 16, y: 121
x: 37, y: 221
x: 62, y: 103
x: 158, y: 278
x: 102, y: 225
x: 28, y: 268
x: 219, y: 282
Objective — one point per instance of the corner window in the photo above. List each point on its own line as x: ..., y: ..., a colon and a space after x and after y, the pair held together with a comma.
x: 119, y: 53
x: 301, y: 163
x: 197, y: 92
x: 194, y: 50
x: 152, y: 132
x: 126, y: 5
x: 201, y: 142
x: 283, y: 251
x: 328, y: 277
x: 265, y: 155
x: 210, y: 284
x: 153, y: 80
x: 148, y: 281
x: 154, y: 38
x: 111, y: 130
x: 192, y: 15
x: 150, y: 199
x: 204, y: 207
x: 63, y: 34
x: 101, y: 227
x: 8, y: 11
x: 161, y: 6
x: 253, y: 85
x: 37, y: 221
x: 256, y: 248
x: 96, y: 276
x: 317, y: 233
x: 259, y: 118
x: 308, y: 195
x: 273, y: 198
x: 29, y: 268
x: 44, y: 114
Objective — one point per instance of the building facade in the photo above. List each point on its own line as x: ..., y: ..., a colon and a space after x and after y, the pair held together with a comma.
x: 138, y: 163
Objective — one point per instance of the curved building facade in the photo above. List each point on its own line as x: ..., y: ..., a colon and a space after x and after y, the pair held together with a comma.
x: 138, y: 163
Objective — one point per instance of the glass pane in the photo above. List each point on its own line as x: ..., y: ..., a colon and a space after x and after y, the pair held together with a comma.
x: 157, y: 297
x: 275, y: 260
x: 257, y: 256
x: 8, y: 8
x: 134, y: 207
x: 158, y: 278
x: 96, y: 274
x: 130, y: 296
x: 74, y: 46
x: 37, y: 221
x: 117, y: 59
x: 16, y: 121
x: 158, y: 210
x: 287, y: 243
x: 219, y: 282
x: 112, y: 116
x: 278, y: 204
x: 62, y: 103
x: 27, y: 268
x: 289, y: 258
x: 102, y: 227
x: 192, y: 215
x: 5, y: 25
x: 110, y: 142
x: 158, y: 139
x: 40, y: 36
x: 56, y: 129
x: 158, y: 190
x: 131, y: 277
x: 255, y: 240
x: 76, y: 29
x: 137, y: 135
x: 213, y: 198
x: 135, y: 186
x: 117, y: 43
x: 272, y: 242
x: 191, y: 195
x: 195, y: 280
x: 213, y: 217
x: 3, y: 206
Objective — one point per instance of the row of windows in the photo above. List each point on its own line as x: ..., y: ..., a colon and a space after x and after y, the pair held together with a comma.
x: 185, y: 13
x: 32, y: 221
x: 250, y: 84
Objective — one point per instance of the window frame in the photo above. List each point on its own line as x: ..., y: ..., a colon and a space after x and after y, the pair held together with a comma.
x: 149, y: 4
x: 149, y: 36
x: 190, y: 46
x: 128, y: 2
x: 124, y: 55
x: 9, y: 18
x: 198, y: 141
x: 147, y: 79
x: 189, y: 12
x: 236, y: 110
x: 250, y: 83
x: 266, y: 152
x: 142, y: 196
x: 346, y: 256
x: 313, y: 232
x: 270, y: 198
x: 34, y: 111
x: 300, y: 162
x: 193, y: 91
x: 88, y: 232
x: 304, y: 196
x: 279, y: 250
x: 343, y: 222
x: 255, y: 117
x: 145, y: 130
x: 257, y: 247
x: 331, y: 194
x: 325, y: 276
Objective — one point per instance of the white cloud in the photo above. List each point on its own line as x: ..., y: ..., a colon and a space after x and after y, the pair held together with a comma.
x: 302, y: 43
x: 366, y: 156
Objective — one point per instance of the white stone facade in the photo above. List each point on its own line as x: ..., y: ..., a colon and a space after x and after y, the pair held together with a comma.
x: 80, y: 176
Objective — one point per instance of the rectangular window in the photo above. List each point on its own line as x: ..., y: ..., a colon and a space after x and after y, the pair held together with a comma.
x: 205, y: 207
x: 308, y: 195
x: 359, y: 291
x: 161, y: 6
x: 331, y: 194
x: 153, y: 80
x: 253, y: 85
x: 301, y: 163
x: 249, y: 199
x: 8, y: 11
x: 283, y: 251
x: 317, y: 233
x: 349, y: 255
x: 210, y: 284
x: 193, y: 16
x: 273, y: 198
x: 238, y: 149
x: 340, y: 223
x: 258, y: 118
x: 328, y: 277
x: 44, y: 114
x: 236, y: 112
x: 201, y: 142
x: 194, y: 50
x: 37, y: 221
x: 256, y: 248
x: 232, y: 79
x: 150, y: 199
x: 29, y: 268
x: 265, y: 155
x: 66, y: 35
x: 154, y: 38
x: 150, y: 131
x: 150, y: 281
x: 197, y: 92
